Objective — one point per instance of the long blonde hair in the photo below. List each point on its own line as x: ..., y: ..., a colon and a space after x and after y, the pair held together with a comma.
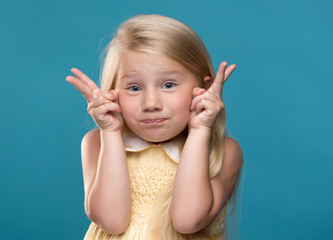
x: 167, y: 37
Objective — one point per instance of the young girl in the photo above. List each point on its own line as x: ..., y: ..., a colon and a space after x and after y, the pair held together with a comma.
x: 160, y: 165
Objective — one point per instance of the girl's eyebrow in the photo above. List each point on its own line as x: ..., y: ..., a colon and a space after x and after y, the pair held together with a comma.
x: 171, y: 72
x: 128, y: 74
x: 134, y: 73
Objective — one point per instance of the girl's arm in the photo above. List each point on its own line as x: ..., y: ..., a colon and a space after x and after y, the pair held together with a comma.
x: 106, y: 180
x: 105, y: 172
x: 197, y: 199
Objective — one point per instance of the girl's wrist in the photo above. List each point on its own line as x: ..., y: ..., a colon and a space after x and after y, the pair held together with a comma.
x: 110, y: 133
x: 201, y: 132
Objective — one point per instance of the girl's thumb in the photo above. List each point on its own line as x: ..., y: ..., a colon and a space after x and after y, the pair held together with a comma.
x: 112, y: 95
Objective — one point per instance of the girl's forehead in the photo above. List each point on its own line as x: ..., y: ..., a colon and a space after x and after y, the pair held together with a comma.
x: 141, y: 61
x: 142, y: 65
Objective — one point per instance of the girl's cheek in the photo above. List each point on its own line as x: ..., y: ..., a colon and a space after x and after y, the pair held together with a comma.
x: 122, y: 98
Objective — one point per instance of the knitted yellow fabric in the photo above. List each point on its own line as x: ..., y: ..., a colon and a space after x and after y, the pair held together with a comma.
x: 151, y: 170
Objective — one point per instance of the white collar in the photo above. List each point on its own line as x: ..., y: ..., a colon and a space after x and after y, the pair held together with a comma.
x: 135, y: 144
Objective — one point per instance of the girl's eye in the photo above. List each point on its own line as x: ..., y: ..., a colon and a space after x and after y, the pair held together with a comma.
x: 168, y: 85
x: 134, y: 88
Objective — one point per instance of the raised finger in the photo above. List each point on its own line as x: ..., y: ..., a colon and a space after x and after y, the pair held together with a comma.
x: 80, y: 75
x: 228, y: 71
x: 82, y: 87
x: 217, y: 84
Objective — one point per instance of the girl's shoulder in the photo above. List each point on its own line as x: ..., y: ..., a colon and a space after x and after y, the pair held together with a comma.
x: 231, y: 145
x: 233, y: 154
x: 91, y: 139
x: 231, y: 166
x: 92, y: 134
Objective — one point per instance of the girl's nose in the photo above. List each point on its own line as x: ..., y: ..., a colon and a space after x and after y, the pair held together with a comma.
x: 151, y: 101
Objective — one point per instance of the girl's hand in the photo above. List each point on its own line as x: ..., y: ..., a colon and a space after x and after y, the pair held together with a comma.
x: 206, y: 105
x: 103, y: 107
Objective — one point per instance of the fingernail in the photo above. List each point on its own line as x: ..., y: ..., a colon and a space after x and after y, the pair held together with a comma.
x: 109, y: 95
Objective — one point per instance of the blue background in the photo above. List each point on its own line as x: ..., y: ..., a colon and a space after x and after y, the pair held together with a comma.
x: 278, y: 103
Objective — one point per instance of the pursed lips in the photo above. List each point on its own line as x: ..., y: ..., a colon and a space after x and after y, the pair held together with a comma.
x: 155, y: 120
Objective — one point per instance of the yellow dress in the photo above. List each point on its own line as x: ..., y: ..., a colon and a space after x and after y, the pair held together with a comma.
x: 151, y: 168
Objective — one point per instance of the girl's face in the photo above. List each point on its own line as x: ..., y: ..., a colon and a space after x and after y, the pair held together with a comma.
x: 155, y: 94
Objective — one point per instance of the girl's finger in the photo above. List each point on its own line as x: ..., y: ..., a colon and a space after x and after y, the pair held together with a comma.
x: 210, y: 106
x: 217, y: 84
x: 200, y: 106
x: 195, y: 101
x: 82, y: 87
x: 99, y: 112
x: 98, y: 101
x: 196, y: 93
x: 207, y: 96
x: 228, y: 71
x: 80, y: 75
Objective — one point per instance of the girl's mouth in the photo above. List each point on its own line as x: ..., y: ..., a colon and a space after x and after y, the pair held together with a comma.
x: 154, y: 121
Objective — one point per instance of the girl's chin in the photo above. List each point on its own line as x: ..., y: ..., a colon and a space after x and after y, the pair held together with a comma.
x: 159, y: 138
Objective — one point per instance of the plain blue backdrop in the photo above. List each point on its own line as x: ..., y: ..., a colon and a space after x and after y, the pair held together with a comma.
x: 278, y: 104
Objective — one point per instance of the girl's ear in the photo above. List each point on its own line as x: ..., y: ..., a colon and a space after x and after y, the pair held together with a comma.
x: 208, y: 82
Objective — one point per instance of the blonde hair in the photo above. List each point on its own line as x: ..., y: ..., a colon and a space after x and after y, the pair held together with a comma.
x: 167, y: 37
